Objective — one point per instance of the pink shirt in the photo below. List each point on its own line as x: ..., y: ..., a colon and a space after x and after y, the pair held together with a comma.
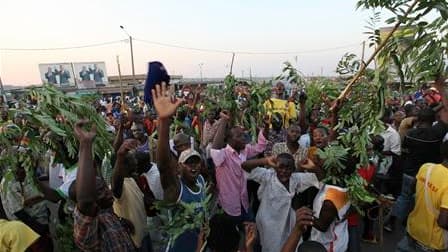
x: 231, y: 178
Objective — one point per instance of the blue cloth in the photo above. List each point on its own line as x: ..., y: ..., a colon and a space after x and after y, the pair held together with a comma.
x: 187, y: 241
x: 156, y: 75
x: 418, y: 95
x: 405, y: 201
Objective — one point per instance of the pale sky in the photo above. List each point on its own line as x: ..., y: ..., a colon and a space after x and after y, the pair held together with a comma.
x: 246, y: 25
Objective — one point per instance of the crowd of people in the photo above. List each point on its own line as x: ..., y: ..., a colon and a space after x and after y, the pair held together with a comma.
x: 270, y: 195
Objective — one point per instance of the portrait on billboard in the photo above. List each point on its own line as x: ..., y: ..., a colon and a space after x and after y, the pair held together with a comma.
x: 59, y: 74
x: 90, y: 74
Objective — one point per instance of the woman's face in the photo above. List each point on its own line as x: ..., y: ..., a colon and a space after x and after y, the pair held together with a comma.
x: 293, y: 133
x: 320, y: 138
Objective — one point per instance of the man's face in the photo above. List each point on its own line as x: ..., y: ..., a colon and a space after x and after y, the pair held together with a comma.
x: 138, y: 132
x: 211, y: 115
x: 284, y: 170
x: 191, y: 169
x: 105, y: 197
x: 237, y: 138
x: 279, y: 89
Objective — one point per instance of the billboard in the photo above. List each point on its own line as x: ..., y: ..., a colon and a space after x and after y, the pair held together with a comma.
x: 80, y: 74
x: 90, y: 74
x: 59, y: 74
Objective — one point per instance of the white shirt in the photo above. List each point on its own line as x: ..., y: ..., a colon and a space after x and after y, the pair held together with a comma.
x: 392, y: 140
x: 153, y: 178
x: 336, y: 237
x: 275, y: 218
x: 305, y: 140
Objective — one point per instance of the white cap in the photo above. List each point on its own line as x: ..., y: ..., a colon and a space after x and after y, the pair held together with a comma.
x: 188, y: 153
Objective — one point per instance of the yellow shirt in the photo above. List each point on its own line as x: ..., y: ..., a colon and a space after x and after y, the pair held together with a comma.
x: 422, y: 222
x: 285, y: 108
x: 131, y: 207
x: 15, y: 236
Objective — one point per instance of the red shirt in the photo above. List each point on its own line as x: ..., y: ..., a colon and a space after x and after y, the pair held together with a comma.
x: 149, y: 125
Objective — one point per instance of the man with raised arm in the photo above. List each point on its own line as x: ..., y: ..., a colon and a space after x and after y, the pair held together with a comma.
x: 96, y: 226
x: 189, y: 187
x: 229, y: 150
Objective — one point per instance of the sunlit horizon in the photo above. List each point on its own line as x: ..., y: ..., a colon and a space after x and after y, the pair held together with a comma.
x: 320, y: 32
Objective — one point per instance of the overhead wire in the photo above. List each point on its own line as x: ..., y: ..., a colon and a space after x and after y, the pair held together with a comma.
x: 65, y: 48
x: 245, y: 52
x: 182, y: 47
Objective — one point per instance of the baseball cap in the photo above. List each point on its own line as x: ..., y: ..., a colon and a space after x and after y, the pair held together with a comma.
x: 188, y: 153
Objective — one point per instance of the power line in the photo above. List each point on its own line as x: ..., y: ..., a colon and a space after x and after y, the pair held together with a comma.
x: 244, y: 52
x: 64, y: 48
x: 181, y: 47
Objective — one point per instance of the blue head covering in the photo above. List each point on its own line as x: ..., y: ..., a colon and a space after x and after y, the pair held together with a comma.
x: 156, y: 75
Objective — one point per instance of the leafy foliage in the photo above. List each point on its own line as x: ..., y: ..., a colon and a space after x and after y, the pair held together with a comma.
x: 372, y: 29
x: 348, y: 65
x: 248, y: 113
x: 180, y: 217
x: 47, y: 123
x: 418, y: 50
x: 64, y: 236
x: 333, y: 155
x: 320, y: 92
x: 357, y: 192
x: 291, y: 75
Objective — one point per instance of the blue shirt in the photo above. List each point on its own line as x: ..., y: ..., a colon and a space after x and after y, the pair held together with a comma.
x: 187, y: 241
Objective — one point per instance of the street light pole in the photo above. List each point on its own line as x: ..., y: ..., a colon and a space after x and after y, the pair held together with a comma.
x: 132, y: 60
x: 1, y: 87
x: 132, y: 54
x: 200, y: 69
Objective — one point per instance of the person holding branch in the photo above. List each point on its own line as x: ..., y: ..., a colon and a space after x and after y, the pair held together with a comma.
x: 187, y: 188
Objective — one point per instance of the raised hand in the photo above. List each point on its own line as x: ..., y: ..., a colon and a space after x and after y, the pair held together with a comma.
x: 84, y: 135
x: 224, y: 114
x: 308, y: 164
x: 127, y: 145
x: 271, y: 161
x: 163, y: 101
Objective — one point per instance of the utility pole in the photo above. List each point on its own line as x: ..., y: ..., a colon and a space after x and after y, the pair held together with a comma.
x: 132, y: 60
x: 2, y: 91
x: 121, y: 83
x: 200, y: 70
x: 231, y: 64
x: 132, y: 55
